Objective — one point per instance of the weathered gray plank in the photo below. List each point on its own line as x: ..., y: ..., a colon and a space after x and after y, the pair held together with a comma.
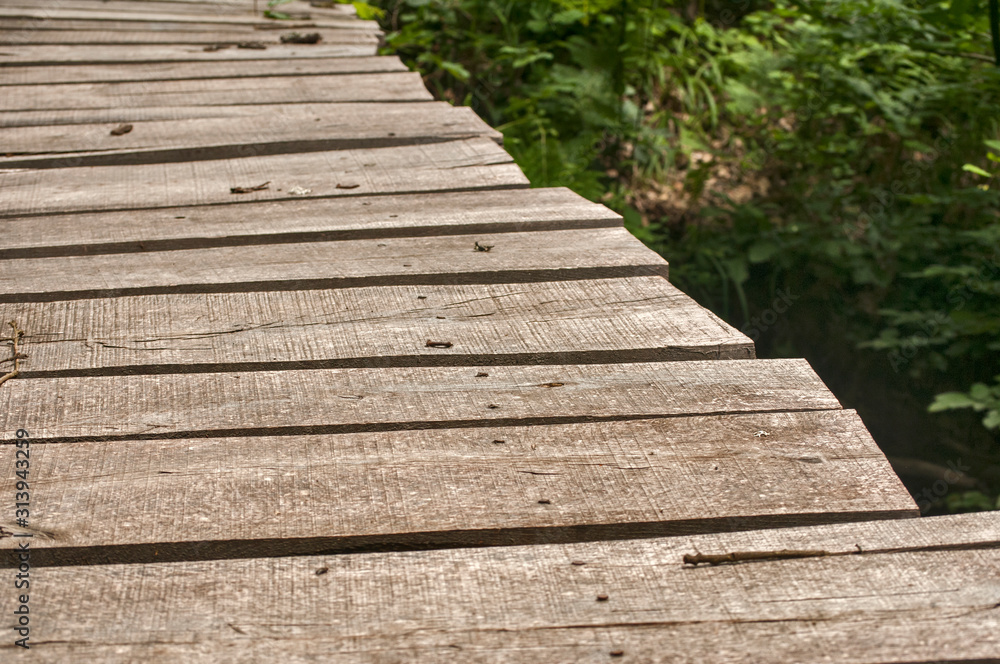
x: 926, y: 590
x: 13, y: 19
x: 289, y: 130
x: 26, y: 54
x: 457, y: 487
x: 470, y: 164
x: 372, y: 326
x: 302, y: 220
x: 235, y: 8
x: 269, y: 38
x: 362, y: 399
x: 165, y: 71
x: 388, y: 86
x: 134, y: 114
x: 382, y: 324
x: 62, y: 13
x: 297, y: 266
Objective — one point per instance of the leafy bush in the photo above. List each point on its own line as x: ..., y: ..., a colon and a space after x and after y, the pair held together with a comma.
x: 811, y: 148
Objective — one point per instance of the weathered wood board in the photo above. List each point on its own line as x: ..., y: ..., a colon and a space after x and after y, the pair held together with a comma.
x: 470, y: 164
x: 386, y: 87
x: 187, y: 8
x: 286, y: 130
x: 85, y: 21
x: 302, y: 220
x: 310, y: 265
x: 301, y: 402
x: 115, y: 116
x: 373, y: 326
x: 202, y: 498
x: 906, y: 598
x: 265, y: 38
x: 167, y: 71
x: 26, y: 54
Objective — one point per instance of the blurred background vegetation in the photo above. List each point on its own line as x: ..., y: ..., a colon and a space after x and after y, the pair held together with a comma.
x: 825, y: 175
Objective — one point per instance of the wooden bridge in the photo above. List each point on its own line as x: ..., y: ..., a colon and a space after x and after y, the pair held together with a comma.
x: 300, y: 369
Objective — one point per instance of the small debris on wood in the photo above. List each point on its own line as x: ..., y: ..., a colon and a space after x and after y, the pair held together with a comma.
x: 493, y: 406
x: 347, y: 186
x: 746, y: 556
x: 322, y: 570
x: 551, y: 384
x: 761, y: 434
x: 544, y: 501
x: 482, y: 374
x: 299, y: 191
x: 215, y: 47
x: 499, y: 442
x: 296, y: 38
x: 617, y: 653
x: 252, y: 45
x: 438, y: 344
x: 602, y: 598
x: 15, y: 353
x: 121, y: 129
x: 440, y: 317
x: 578, y: 563
x: 247, y: 190
x: 419, y: 297
x: 482, y: 247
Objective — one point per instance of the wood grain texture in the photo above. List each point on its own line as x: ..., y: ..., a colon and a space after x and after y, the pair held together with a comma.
x: 388, y: 86
x: 234, y: 8
x: 26, y: 54
x: 87, y: 21
x: 264, y: 496
x: 293, y: 402
x: 76, y: 116
x: 595, y: 321
x: 302, y: 220
x: 167, y: 71
x: 310, y: 265
x: 470, y: 164
x: 289, y: 130
x: 12, y: 39
x: 927, y: 591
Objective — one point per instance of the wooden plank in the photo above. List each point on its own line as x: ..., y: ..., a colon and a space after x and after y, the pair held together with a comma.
x: 311, y: 265
x: 371, y: 326
x: 454, y: 487
x: 184, y: 7
x: 269, y: 38
x: 134, y: 114
x: 925, y: 590
x: 62, y: 13
x: 302, y: 220
x: 388, y: 87
x: 471, y: 164
x: 26, y: 54
x: 166, y: 71
x: 288, y: 130
x: 304, y: 402
x: 81, y: 21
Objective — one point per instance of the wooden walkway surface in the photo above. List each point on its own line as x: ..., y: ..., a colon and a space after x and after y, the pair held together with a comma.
x: 310, y: 374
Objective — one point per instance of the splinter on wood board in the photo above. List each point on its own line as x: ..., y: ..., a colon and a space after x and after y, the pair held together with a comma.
x: 16, y: 355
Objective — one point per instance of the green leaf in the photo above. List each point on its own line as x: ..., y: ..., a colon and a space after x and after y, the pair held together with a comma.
x: 975, y: 169
x: 951, y: 401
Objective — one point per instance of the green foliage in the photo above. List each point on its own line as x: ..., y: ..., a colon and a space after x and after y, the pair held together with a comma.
x: 831, y: 148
